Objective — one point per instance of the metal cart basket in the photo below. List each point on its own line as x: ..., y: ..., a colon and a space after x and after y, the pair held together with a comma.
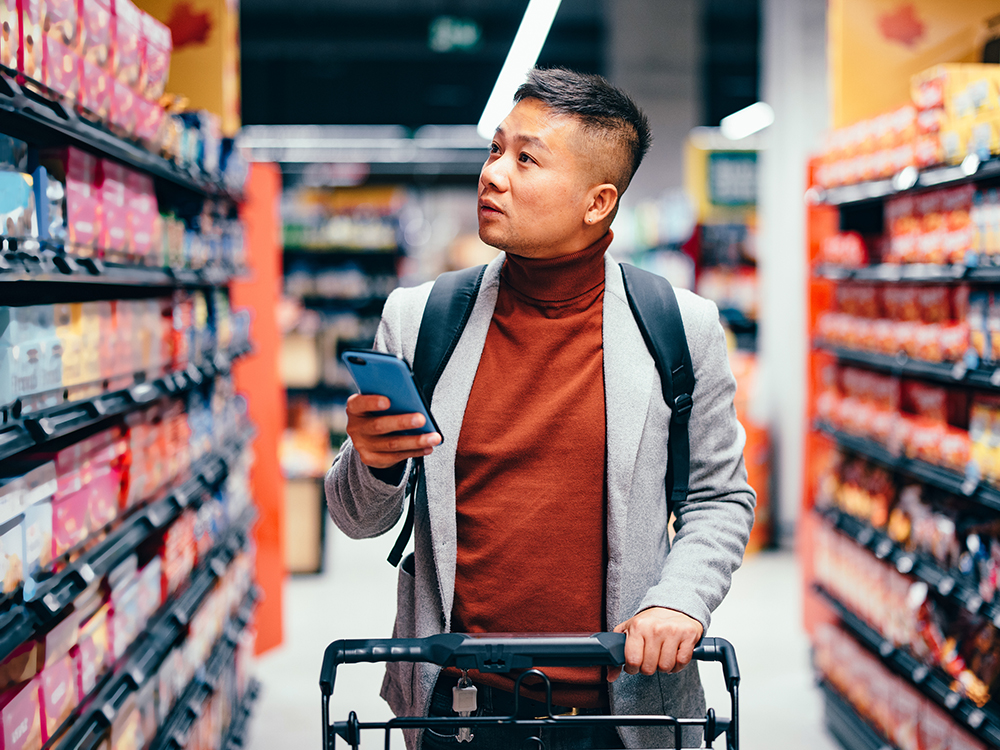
x: 488, y: 653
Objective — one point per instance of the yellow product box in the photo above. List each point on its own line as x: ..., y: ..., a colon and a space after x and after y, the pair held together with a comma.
x: 955, y: 138
x: 963, y: 90
x: 68, y: 322
x: 984, y: 136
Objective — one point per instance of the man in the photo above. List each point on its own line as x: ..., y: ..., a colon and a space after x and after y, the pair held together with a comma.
x: 545, y: 507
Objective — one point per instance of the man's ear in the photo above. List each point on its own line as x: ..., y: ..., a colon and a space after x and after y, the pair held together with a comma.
x: 603, y: 199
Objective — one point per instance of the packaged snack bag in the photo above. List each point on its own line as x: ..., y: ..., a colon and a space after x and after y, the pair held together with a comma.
x: 20, y: 717
x: 127, y: 63
x: 9, y: 33
x: 95, y: 32
x: 156, y: 57
x: 95, y: 89
x: 29, y: 50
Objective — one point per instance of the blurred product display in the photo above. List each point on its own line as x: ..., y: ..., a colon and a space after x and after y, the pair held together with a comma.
x: 902, y: 543
x: 127, y: 556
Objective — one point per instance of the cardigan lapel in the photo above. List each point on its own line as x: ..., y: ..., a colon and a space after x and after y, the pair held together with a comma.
x: 451, y: 396
x: 629, y: 373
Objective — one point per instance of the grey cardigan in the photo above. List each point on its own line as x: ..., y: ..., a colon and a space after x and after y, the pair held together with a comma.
x: 691, y: 574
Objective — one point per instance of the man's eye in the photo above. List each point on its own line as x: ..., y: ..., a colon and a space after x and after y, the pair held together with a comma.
x: 494, y: 148
x: 524, y: 158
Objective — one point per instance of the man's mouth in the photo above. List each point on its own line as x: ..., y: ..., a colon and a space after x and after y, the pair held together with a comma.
x: 488, y: 209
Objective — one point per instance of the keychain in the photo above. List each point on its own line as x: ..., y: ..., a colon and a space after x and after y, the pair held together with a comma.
x: 463, y: 702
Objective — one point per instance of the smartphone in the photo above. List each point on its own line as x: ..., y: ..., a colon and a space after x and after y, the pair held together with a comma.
x: 381, y: 374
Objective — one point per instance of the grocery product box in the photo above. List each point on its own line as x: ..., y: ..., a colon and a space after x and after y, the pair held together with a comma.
x: 60, y: 68
x: 18, y: 217
x: 11, y: 497
x: 21, y: 717
x: 95, y: 89
x: 127, y: 52
x: 11, y: 555
x: 96, y: 32
x: 157, y: 48
x: 20, y: 665
x: 114, y: 237
x: 9, y: 42
x: 70, y: 522
x: 37, y: 533
x: 142, y: 213
x: 79, y: 172
x: 29, y: 50
x: 58, y: 694
x: 962, y: 90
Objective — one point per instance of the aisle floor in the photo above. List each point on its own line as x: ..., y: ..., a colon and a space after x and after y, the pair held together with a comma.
x: 355, y: 598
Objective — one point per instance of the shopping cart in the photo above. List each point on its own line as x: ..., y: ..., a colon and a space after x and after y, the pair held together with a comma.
x: 488, y: 653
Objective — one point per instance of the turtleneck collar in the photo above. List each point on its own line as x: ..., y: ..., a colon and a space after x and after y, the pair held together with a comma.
x: 558, y: 279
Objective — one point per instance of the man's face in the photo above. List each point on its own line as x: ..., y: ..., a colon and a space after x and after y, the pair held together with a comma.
x: 533, y: 189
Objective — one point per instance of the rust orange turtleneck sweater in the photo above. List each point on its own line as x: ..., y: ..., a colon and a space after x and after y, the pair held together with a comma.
x: 530, y: 467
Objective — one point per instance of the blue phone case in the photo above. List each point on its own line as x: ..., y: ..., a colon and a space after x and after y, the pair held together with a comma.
x: 377, y: 373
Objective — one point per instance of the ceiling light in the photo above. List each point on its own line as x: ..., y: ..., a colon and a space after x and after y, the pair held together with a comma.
x: 747, y: 121
x: 523, y: 54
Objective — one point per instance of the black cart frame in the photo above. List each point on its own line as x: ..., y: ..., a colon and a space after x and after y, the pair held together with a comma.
x: 501, y: 654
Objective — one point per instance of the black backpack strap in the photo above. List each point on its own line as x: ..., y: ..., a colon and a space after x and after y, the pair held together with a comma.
x: 654, y: 306
x: 446, y: 314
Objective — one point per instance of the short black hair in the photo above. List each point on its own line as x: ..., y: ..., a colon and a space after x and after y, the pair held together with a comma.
x: 602, y: 108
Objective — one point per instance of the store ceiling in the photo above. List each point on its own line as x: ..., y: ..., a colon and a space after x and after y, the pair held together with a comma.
x: 409, y: 62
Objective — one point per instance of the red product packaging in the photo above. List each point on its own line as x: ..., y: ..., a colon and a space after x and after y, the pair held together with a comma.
x: 21, y: 717
x: 142, y: 212
x: 105, y: 496
x: 178, y: 553
x: 122, y: 107
x: 59, y: 21
x: 95, y: 32
x: 10, y: 36
x: 935, y: 303
x: 127, y: 51
x: 95, y: 89
x: 58, y: 695
x: 70, y: 525
x: 157, y: 47
x: 113, y: 200
x: 60, y: 68
x: 29, y: 50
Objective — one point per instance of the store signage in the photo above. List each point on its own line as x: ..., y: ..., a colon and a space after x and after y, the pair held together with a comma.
x: 732, y: 178
x: 448, y: 34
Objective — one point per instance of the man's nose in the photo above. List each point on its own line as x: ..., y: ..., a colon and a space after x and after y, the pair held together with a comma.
x: 494, y: 175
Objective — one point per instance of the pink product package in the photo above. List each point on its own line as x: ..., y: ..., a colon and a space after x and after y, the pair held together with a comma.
x: 95, y: 89
x: 70, y: 522
x: 127, y: 50
x: 60, y: 68
x: 114, y: 201
x: 9, y: 40
x: 142, y: 212
x: 95, y: 32
x: 58, y: 695
x: 158, y: 45
x: 21, y: 717
x: 122, y: 107
x: 29, y: 50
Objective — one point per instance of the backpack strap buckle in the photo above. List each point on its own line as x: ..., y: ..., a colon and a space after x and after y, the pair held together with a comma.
x: 683, y: 405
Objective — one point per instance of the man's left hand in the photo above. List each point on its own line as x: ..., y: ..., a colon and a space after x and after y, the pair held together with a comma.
x: 658, y: 639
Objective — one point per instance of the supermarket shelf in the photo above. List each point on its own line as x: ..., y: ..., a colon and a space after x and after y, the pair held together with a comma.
x: 236, y: 736
x: 55, y: 267
x: 984, y: 723
x: 843, y: 721
x: 902, y: 365
x: 40, y: 427
x: 919, y: 273
x: 917, y: 565
x: 927, y: 178
x: 176, y: 730
x: 147, y: 653
x: 365, y: 306
x: 334, y: 253
x: 61, y: 590
x: 47, y: 122
x: 936, y: 476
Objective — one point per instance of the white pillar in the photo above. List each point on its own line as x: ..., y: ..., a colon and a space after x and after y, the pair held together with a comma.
x: 654, y: 54
x: 795, y: 85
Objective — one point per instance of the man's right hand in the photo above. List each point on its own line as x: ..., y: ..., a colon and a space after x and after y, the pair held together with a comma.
x: 369, y: 431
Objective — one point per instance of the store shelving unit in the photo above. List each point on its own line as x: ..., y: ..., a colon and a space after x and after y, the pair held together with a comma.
x: 33, y: 272
x: 852, y: 731
x: 859, y: 207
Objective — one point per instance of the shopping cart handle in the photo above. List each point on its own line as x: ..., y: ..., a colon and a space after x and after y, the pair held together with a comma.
x: 722, y: 651
x: 486, y: 653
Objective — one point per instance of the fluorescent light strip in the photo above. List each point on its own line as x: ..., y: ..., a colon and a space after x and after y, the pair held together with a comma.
x: 747, y: 121
x: 528, y: 42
